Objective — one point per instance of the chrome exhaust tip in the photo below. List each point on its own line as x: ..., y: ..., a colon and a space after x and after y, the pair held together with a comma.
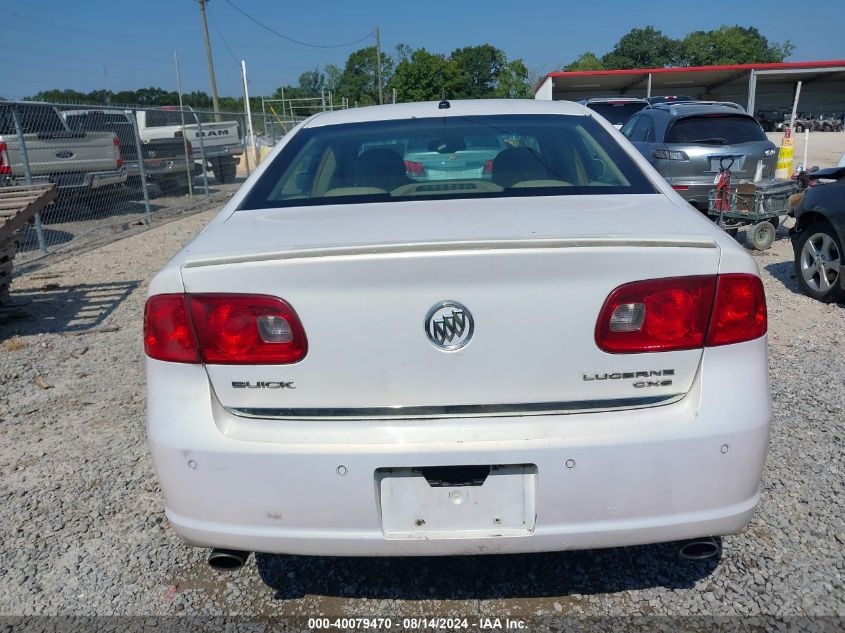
x: 699, y: 548
x: 227, y: 559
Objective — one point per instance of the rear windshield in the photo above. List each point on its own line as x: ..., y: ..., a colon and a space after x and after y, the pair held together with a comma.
x: 617, y: 112
x: 161, y: 118
x: 96, y: 121
x: 447, y: 157
x: 35, y: 119
x: 715, y: 130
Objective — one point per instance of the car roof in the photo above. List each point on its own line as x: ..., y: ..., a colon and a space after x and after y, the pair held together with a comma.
x: 457, y: 108
x: 611, y: 99
x: 695, y: 108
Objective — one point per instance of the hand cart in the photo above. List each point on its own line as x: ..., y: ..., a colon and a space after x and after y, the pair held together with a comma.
x: 761, y: 206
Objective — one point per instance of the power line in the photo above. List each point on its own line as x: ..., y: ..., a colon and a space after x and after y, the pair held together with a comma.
x: 220, y: 35
x: 88, y: 44
x: 98, y: 37
x: 290, y: 39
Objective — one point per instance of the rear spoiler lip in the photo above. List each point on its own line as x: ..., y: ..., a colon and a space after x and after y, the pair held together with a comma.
x: 217, y: 259
x: 831, y: 173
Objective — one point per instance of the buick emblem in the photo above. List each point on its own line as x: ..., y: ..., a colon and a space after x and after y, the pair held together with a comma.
x: 449, y: 325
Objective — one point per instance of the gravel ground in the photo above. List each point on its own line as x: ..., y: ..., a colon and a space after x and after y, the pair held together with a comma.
x: 84, y: 530
x: 824, y: 150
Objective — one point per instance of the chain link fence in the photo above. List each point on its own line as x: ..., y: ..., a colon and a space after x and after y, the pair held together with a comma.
x: 120, y: 166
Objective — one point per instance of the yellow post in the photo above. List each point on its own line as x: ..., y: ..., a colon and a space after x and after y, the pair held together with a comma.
x: 784, y: 166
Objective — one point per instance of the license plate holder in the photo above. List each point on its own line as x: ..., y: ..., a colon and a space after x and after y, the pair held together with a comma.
x: 412, y: 508
x: 731, y: 162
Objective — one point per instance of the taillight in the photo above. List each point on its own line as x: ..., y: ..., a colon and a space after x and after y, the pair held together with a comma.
x: 680, y: 313
x: 117, y: 152
x: 247, y: 329
x: 674, y: 315
x: 168, y: 334
x: 190, y: 151
x: 488, y: 167
x: 5, y: 166
x: 223, y: 329
x: 740, y: 311
x: 414, y: 168
x: 680, y: 187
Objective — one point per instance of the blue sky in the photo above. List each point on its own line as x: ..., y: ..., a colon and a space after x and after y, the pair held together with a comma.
x: 92, y: 44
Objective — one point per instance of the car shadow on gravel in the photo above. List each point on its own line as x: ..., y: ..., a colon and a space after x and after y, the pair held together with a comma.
x: 784, y: 272
x: 64, y: 309
x: 559, y: 574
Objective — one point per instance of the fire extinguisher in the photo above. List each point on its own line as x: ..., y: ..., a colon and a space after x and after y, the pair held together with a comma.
x: 723, y: 186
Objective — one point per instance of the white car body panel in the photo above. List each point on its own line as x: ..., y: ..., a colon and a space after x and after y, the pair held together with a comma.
x: 361, y: 279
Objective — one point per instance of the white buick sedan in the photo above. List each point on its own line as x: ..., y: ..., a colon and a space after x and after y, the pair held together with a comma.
x: 456, y: 328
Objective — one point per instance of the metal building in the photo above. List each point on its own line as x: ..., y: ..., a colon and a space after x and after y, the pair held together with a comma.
x: 755, y: 86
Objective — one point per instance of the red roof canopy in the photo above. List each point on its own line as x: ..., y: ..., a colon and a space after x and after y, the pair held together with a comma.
x: 687, y: 69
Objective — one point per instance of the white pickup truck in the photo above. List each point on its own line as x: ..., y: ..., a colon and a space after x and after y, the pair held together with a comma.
x: 221, y: 140
x: 78, y: 162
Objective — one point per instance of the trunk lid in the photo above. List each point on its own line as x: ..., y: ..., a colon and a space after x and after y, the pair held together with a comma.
x: 64, y: 152
x: 705, y: 160
x: 532, y: 273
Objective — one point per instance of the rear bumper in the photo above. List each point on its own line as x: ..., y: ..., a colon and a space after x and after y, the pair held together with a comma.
x: 217, y: 151
x: 162, y: 168
x: 688, y: 469
x: 697, y: 193
x: 69, y: 182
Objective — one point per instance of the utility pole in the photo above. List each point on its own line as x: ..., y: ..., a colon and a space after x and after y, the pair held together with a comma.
x: 378, y: 67
x: 214, y: 100
x: 248, y: 112
x: 188, y: 163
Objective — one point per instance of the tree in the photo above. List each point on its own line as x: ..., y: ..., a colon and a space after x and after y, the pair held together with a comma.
x: 585, y: 61
x: 731, y: 45
x: 359, y: 81
x: 403, y: 53
x: 513, y: 81
x: 478, y: 70
x: 642, y: 48
x: 312, y: 82
x: 422, y: 76
x: 333, y: 75
x: 59, y: 96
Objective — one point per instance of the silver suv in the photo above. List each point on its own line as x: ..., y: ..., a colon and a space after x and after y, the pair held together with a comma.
x: 617, y: 110
x: 688, y: 142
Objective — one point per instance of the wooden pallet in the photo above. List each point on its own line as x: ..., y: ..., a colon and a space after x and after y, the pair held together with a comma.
x: 17, y: 206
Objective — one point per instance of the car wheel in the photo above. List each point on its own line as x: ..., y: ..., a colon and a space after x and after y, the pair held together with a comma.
x: 761, y: 235
x: 224, y: 170
x: 775, y: 222
x: 818, y: 262
x: 826, y: 128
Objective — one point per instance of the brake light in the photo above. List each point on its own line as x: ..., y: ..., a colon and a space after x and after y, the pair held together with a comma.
x: 235, y: 329
x: 168, y: 333
x: 5, y: 166
x: 675, y: 315
x: 488, y: 167
x: 680, y: 187
x: 414, y: 168
x: 117, y: 152
x: 190, y: 149
x: 223, y: 329
x: 680, y: 313
x: 740, y: 310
